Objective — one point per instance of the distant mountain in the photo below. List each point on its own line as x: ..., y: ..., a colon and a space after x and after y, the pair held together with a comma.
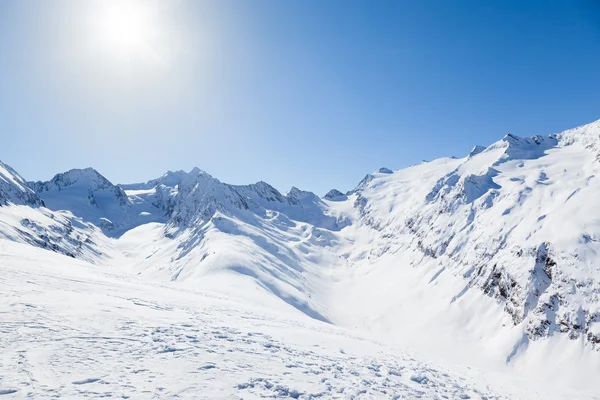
x: 14, y: 189
x: 508, y: 235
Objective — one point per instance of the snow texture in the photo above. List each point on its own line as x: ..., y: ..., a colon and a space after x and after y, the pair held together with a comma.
x: 472, y: 277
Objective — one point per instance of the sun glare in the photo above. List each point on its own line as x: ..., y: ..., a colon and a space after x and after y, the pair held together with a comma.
x: 126, y: 28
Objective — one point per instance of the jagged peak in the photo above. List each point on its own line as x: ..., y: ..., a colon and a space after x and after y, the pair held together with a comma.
x: 88, y: 171
x: 588, y: 135
x: 298, y: 193
x: 82, y: 172
x: 179, y: 174
x: 362, y: 184
x: 197, y: 176
x: 592, y: 126
x: 169, y: 179
x: 260, y: 191
x: 334, y: 194
x: 262, y: 187
x: 476, y: 150
x: 296, y: 196
x: 515, y: 141
x: 264, y: 184
x: 8, y: 174
x: 85, y: 176
x: 198, y: 171
x: 523, y: 148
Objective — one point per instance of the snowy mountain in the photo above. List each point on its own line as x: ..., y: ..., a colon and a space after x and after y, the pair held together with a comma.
x: 24, y: 218
x: 90, y: 196
x: 14, y: 189
x: 514, y: 220
x: 487, y: 261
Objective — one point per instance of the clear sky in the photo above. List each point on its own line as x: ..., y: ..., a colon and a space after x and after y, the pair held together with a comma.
x: 308, y: 93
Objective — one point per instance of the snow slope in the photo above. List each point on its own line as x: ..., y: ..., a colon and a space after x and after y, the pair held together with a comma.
x: 24, y: 218
x: 74, y: 330
x: 486, y: 262
x: 14, y: 189
x: 515, y: 221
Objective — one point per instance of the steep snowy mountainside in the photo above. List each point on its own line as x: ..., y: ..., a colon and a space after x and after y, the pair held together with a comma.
x: 23, y: 218
x: 588, y: 135
x: 516, y: 222
x: 192, y: 198
x: 199, y: 196
x: 181, y: 199
x: 52, y: 230
x: 368, y: 178
x: 78, y: 330
x: 169, y: 179
x: 252, y: 231
x: 14, y: 189
x: 92, y: 197
x: 288, y: 260
x: 488, y: 260
x: 296, y: 204
x: 476, y: 150
x: 278, y: 242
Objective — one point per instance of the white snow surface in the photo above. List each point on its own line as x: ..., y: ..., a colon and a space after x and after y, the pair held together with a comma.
x: 74, y: 330
x: 475, y: 277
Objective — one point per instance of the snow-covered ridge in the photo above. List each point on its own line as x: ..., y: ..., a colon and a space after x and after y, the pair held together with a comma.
x: 588, y: 135
x: 89, y: 195
x: 24, y: 218
x: 506, y: 238
x: 335, y: 194
x: 182, y: 199
x: 169, y: 179
x: 87, y: 177
x: 516, y: 220
x: 14, y: 189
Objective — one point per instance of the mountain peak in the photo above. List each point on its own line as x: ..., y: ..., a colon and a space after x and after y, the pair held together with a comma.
x: 14, y: 189
x: 476, y: 150
x: 335, y: 194
x: 198, y: 171
x: 81, y: 177
x: 299, y: 193
x: 362, y: 184
x: 588, y: 135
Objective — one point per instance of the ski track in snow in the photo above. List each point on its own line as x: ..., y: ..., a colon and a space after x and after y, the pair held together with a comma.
x: 107, y: 336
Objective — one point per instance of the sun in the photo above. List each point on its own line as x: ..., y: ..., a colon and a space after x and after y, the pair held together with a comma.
x: 125, y: 28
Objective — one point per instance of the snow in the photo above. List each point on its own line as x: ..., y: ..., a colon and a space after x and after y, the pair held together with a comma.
x: 74, y: 330
x: 14, y: 190
x: 458, y: 277
x: 141, y: 192
x: 92, y: 197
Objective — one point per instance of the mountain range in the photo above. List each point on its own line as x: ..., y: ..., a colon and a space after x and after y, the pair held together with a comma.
x: 490, y: 259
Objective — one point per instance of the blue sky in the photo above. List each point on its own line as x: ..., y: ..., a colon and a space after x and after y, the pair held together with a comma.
x: 308, y: 93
